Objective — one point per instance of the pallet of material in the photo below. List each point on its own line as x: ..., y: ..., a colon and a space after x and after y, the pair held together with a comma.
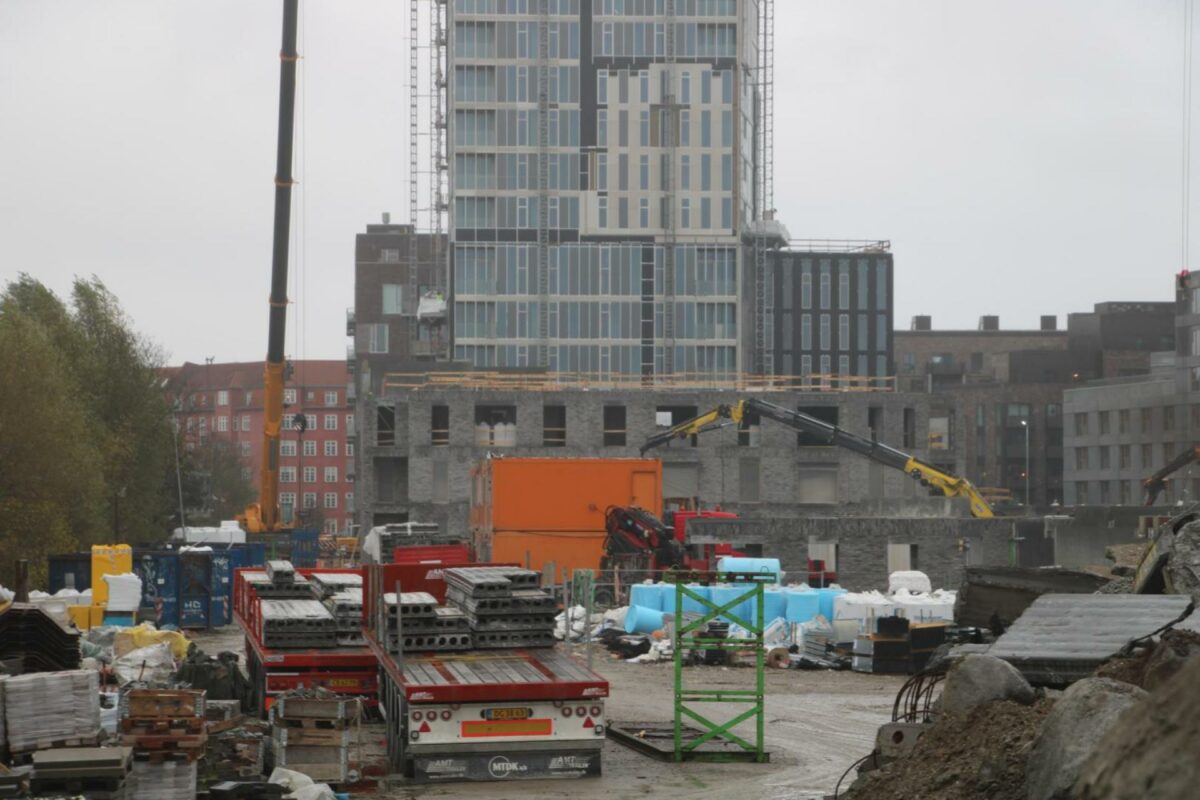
x: 325, y: 584
x: 162, y: 779
x: 303, y: 708
x: 490, y: 581
x: 279, y: 571
x: 96, y: 772
x: 164, y: 704
x: 499, y: 640
x: 49, y: 709
x: 446, y: 619
x: 413, y: 605
x: 296, y: 623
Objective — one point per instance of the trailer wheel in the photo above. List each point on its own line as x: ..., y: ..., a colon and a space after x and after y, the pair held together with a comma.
x: 605, y: 597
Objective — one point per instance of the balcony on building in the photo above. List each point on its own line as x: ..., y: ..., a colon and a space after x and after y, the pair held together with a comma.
x: 350, y: 327
x: 351, y: 360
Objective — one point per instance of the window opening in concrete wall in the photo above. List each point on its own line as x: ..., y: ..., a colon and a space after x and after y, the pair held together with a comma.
x: 391, y: 480
x: 748, y: 480
x: 939, y: 432
x: 817, y: 485
x: 439, y: 425
x: 825, y: 414
x: 902, y: 557
x: 495, y: 426
x: 681, y: 485
x: 750, y: 430
x: 614, y: 426
x: 554, y: 426
x: 669, y: 416
x: 875, y: 421
x: 823, y: 551
x: 441, y: 482
x: 910, y: 429
x: 385, y: 426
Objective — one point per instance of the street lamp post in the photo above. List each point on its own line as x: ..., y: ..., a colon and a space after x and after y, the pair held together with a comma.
x: 1025, y: 425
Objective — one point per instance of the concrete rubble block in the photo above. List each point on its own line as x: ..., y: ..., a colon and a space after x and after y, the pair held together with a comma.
x: 1151, y: 754
x: 1085, y: 712
x: 979, y: 679
x: 1183, y: 564
x: 1172, y: 652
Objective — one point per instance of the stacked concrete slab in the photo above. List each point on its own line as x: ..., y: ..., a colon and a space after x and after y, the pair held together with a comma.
x: 418, y: 623
x: 297, y: 623
x: 504, y: 606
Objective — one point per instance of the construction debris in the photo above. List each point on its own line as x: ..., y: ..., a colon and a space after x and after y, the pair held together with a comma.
x: 1079, y: 719
x: 980, y: 679
x: 994, y: 597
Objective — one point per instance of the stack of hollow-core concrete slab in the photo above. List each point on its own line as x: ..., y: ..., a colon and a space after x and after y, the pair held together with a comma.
x: 346, y: 607
x: 297, y: 623
x: 504, y: 606
x: 265, y: 588
x: 424, y: 625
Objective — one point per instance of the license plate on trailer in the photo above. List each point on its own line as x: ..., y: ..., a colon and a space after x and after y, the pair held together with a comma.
x: 507, y: 713
x: 343, y: 682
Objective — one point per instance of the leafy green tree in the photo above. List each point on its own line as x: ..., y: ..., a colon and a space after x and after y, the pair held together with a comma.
x: 214, y: 487
x: 52, y: 492
x: 85, y: 431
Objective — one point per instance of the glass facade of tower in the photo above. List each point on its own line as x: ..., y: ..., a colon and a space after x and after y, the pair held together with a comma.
x: 601, y: 175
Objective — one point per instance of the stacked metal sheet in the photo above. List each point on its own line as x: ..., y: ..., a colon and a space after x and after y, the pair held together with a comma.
x: 346, y: 607
x: 52, y: 709
x: 407, y: 533
x: 504, y: 606
x: 35, y: 642
x: 297, y: 623
x: 265, y: 588
x: 424, y: 625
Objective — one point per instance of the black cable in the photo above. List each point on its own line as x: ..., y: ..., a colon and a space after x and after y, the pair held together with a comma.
x: 837, y: 789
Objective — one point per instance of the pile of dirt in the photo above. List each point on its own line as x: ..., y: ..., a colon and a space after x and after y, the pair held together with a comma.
x: 1125, y: 556
x: 1151, y: 754
x: 981, y: 754
x: 1151, y: 667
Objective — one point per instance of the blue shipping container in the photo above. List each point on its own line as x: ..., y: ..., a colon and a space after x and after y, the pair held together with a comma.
x: 305, y: 547
x: 70, y: 571
x: 221, y: 586
x: 159, y: 571
x: 195, y: 589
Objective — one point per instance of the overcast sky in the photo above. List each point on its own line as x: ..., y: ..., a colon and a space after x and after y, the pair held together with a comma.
x: 1023, y: 156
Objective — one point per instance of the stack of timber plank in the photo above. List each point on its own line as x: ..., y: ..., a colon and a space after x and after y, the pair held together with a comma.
x: 504, y: 606
x: 424, y: 625
x: 313, y: 736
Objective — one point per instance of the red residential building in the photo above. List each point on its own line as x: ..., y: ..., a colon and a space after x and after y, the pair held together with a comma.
x: 316, y: 464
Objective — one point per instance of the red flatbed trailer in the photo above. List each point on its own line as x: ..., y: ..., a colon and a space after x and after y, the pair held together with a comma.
x: 351, y: 671
x: 486, y: 714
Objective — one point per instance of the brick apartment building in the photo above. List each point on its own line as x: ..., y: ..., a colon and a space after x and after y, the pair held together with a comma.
x: 316, y: 465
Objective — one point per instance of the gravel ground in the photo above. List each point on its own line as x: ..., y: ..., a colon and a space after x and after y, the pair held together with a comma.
x: 818, y: 723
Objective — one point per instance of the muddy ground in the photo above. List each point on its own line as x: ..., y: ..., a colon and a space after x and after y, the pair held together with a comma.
x: 818, y: 723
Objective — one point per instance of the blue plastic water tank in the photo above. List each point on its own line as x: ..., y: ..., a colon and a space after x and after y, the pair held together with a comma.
x: 645, y: 595
x: 802, y: 606
x: 827, y: 596
x: 643, y: 620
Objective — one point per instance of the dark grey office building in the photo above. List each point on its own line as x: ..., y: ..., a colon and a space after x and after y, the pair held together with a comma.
x: 832, y: 311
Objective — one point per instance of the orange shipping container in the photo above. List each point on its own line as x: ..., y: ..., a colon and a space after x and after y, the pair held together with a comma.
x: 535, y: 510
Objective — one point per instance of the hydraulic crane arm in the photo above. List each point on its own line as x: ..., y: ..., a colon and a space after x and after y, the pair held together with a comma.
x: 927, y: 474
x: 1156, y: 484
x: 264, y: 515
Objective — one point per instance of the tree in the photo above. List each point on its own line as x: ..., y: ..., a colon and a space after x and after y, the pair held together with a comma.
x: 52, y: 494
x: 85, y: 432
x: 214, y: 487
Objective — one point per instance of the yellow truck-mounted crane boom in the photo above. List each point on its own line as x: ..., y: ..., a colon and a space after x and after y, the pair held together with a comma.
x: 928, y: 475
x: 264, y: 516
